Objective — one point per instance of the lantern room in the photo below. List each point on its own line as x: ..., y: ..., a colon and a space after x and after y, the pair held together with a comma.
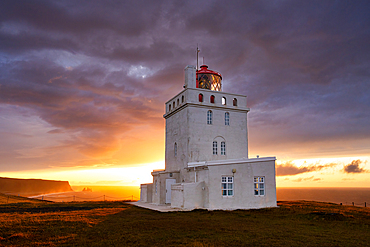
x: 208, y: 79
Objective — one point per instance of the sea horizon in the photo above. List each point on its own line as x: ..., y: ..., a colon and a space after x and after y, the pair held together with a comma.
x: 345, y: 195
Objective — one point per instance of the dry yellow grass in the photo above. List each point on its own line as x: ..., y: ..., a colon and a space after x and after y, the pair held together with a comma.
x: 5, y: 199
x: 52, y: 225
x: 115, y: 223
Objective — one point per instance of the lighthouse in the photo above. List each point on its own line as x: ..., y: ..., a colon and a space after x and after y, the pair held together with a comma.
x: 206, y: 151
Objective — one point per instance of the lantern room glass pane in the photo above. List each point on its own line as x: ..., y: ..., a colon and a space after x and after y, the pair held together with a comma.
x: 209, y: 81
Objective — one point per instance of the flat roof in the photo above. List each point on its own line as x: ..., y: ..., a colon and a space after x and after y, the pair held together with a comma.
x: 229, y: 162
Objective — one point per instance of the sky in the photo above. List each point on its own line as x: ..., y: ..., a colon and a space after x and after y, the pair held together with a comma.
x: 83, y: 85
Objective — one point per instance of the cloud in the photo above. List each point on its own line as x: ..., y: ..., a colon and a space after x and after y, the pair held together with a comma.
x: 307, y: 179
x: 354, y: 167
x: 108, y: 182
x: 303, y: 65
x: 289, y: 169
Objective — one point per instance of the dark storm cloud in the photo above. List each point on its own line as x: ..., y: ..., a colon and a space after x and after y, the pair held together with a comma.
x: 354, y: 167
x: 93, y: 70
x: 288, y: 169
x: 83, y: 16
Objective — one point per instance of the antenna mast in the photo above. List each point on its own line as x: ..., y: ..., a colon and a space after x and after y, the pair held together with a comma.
x: 197, y: 56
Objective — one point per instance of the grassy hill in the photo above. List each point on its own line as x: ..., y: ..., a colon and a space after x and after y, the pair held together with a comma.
x: 116, y: 223
x: 9, y: 199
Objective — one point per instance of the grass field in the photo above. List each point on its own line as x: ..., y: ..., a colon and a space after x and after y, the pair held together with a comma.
x: 35, y: 223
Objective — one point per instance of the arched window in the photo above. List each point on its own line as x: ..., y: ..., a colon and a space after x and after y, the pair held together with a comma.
x: 235, y: 102
x: 178, y: 102
x: 223, y: 101
x: 212, y: 99
x: 227, y: 118
x: 169, y: 107
x: 173, y: 105
x: 214, y: 148
x: 223, y: 148
x: 182, y: 99
x: 200, y: 97
x: 209, y: 117
x: 175, y: 149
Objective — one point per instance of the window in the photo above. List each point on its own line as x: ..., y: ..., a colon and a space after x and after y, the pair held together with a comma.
x: 214, y: 147
x: 223, y: 101
x: 156, y: 187
x: 178, y: 102
x: 173, y: 105
x: 259, y: 186
x: 235, y: 102
x: 227, y: 118
x: 169, y: 108
x: 223, y: 148
x: 200, y: 97
x: 209, y: 117
x: 227, y: 186
x: 212, y: 99
x: 182, y: 99
x: 175, y: 149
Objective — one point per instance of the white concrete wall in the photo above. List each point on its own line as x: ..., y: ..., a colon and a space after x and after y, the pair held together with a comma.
x: 202, y: 135
x: 146, y: 193
x: 194, y: 194
x: 156, y: 192
x: 149, y: 193
x: 143, y: 193
x: 176, y: 132
x: 244, y: 197
x: 186, y: 124
x: 193, y: 93
x: 177, y: 196
x: 190, y: 77
x: 188, y: 195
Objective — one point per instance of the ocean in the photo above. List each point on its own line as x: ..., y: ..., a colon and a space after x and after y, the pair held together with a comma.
x: 346, y: 196
x: 94, y: 193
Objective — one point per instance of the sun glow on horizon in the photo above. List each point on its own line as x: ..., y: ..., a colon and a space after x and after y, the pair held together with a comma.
x: 322, y: 172
x: 132, y: 175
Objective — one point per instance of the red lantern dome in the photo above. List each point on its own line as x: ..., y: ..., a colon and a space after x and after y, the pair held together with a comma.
x: 208, y: 79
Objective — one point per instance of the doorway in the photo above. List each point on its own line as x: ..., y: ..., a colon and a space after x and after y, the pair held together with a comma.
x: 169, y: 182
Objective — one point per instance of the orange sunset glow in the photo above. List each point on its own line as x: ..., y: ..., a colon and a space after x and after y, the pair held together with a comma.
x: 83, y: 87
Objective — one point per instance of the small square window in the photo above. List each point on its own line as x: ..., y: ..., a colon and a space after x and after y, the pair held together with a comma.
x: 227, y: 118
x: 214, y: 148
x: 227, y: 186
x: 259, y: 186
x: 223, y: 148
x: 209, y: 117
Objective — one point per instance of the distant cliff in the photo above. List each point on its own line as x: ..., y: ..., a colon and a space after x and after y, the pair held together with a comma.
x: 29, y: 187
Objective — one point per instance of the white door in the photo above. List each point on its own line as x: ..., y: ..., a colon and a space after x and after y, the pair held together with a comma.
x: 169, y: 182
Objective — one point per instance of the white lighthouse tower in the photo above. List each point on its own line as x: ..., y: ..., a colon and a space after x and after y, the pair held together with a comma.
x: 207, y: 164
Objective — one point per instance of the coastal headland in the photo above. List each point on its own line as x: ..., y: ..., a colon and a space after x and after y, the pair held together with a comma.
x: 30, y: 187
